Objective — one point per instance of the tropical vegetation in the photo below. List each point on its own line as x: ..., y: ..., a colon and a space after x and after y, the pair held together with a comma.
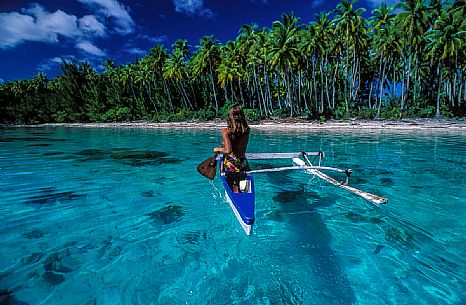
x: 402, y: 61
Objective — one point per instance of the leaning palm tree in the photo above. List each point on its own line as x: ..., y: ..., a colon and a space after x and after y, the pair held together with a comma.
x: 175, y: 69
x: 156, y: 59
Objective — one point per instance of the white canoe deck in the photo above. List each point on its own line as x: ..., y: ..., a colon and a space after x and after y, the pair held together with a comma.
x: 287, y: 155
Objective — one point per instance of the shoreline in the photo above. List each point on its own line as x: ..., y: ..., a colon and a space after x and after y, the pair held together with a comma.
x: 284, y: 124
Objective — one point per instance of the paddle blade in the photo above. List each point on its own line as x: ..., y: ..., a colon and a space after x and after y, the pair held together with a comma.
x: 208, y: 168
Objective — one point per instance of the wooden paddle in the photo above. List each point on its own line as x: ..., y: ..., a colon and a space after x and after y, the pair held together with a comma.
x: 208, y: 168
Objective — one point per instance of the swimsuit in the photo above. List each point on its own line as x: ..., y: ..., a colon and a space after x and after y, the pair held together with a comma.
x: 235, y: 169
x: 234, y: 165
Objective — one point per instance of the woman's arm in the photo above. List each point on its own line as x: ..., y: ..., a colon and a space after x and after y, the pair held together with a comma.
x: 227, y: 149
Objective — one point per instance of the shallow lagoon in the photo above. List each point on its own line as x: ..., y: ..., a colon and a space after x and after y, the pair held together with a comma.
x: 120, y: 216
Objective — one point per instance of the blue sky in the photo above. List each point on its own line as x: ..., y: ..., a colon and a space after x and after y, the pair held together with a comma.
x: 37, y: 35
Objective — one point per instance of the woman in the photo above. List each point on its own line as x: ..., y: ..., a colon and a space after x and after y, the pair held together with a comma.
x: 235, y: 141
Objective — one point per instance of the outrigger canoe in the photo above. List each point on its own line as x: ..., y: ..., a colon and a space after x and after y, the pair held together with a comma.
x: 242, y: 203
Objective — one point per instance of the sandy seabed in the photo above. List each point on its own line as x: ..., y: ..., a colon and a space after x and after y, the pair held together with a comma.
x: 285, y: 124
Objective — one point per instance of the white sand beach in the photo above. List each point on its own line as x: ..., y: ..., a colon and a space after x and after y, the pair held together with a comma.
x: 285, y: 124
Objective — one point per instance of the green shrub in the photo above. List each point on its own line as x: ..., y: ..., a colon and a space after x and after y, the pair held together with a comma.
x: 223, y: 111
x: 252, y: 114
x: 164, y: 117
x: 445, y: 111
x: 427, y: 112
x: 204, y: 114
x: 60, y: 116
x: 341, y: 113
x: 116, y: 115
x: 281, y: 113
x: 366, y: 113
x: 393, y: 113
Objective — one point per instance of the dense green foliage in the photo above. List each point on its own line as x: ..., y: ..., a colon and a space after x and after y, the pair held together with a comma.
x: 407, y: 61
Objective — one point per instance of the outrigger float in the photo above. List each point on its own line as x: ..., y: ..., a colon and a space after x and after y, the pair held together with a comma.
x: 242, y: 203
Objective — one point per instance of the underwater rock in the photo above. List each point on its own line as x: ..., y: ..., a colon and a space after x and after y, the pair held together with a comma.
x: 31, y: 259
x: 53, y: 153
x: 49, y: 196
x: 167, y: 215
x: 53, y: 278
x: 34, y: 234
x: 30, y: 139
x: 355, y: 217
x: 378, y: 249
x: 92, y: 154
x: 387, y: 181
x: 114, y: 253
x: 91, y: 302
x: 53, y: 263
x: 357, y: 180
x: 40, y: 144
x: 41, y: 133
x: 7, y: 298
x: 143, y: 158
x: 147, y: 194
x: 394, y: 234
x: 120, y: 149
x: 190, y: 238
x: 293, y: 196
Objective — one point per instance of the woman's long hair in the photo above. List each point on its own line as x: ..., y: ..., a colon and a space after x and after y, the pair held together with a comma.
x: 236, y: 121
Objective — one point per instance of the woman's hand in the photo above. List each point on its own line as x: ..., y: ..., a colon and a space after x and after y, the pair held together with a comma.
x: 218, y: 149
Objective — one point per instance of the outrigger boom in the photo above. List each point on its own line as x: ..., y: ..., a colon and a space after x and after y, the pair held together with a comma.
x: 307, y: 165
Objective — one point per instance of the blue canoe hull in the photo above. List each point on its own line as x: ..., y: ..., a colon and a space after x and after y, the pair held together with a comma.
x: 242, y: 203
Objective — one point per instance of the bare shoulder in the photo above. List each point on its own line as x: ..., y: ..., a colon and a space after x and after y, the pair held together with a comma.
x: 225, y: 131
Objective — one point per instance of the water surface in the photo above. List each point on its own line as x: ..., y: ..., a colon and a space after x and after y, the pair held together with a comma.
x: 120, y: 216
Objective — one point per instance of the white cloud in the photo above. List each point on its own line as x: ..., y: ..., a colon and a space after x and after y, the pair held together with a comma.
x: 90, y: 25
x: 50, y: 63
x: 136, y: 51
x: 90, y: 48
x: 153, y: 39
x: 377, y: 3
x: 58, y: 22
x: 192, y: 7
x: 35, y: 25
x: 116, y: 11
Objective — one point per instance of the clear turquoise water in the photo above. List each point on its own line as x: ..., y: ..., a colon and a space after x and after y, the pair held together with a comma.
x: 113, y: 216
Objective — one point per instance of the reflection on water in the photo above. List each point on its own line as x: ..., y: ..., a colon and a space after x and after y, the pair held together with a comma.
x: 114, y: 216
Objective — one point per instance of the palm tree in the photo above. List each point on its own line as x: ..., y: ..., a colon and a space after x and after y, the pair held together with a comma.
x: 446, y: 41
x: 157, y: 59
x: 175, y: 69
x: 350, y: 26
x: 385, y: 44
x: 206, y: 60
x: 412, y: 20
x: 283, y: 52
x: 323, y: 30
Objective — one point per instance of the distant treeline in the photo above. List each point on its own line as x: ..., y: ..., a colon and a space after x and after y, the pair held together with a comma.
x: 403, y: 61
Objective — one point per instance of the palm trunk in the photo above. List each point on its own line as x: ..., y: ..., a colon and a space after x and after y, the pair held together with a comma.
x: 213, y: 87
x: 437, y: 108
